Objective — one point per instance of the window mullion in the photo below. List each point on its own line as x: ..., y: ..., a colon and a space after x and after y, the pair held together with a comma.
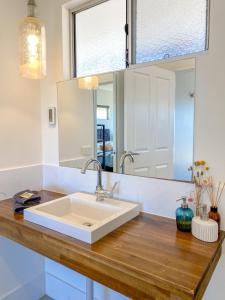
x: 131, y: 33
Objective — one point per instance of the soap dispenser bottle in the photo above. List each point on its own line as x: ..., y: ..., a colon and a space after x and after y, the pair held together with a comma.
x: 203, y: 228
x: 184, y: 216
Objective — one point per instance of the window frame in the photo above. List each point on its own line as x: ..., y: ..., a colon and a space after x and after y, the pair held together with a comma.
x: 107, y: 108
x: 132, y: 19
x: 73, y: 13
x: 130, y: 55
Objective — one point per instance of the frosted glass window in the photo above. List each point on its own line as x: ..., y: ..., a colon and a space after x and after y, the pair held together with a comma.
x: 100, y: 38
x: 169, y: 28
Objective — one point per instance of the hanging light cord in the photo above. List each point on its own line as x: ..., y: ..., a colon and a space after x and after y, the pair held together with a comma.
x: 31, y: 7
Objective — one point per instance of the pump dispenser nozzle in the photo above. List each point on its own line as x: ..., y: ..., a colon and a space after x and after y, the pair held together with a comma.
x: 184, y: 204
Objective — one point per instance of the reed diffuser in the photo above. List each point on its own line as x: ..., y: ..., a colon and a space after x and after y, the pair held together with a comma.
x: 215, y: 195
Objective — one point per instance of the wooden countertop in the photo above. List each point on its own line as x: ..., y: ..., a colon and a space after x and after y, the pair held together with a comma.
x: 147, y: 258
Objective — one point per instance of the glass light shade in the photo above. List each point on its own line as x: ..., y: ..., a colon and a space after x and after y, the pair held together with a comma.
x: 32, y: 49
x: 88, y: 83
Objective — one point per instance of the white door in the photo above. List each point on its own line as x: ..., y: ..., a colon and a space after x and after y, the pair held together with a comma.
x: 149, y: 121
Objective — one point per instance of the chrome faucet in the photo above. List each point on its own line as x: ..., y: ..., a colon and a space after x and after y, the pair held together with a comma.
x: 129, y: 155
x: 101, y: 194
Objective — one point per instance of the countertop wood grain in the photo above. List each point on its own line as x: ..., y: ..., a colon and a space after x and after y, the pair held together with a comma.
x: 147, y: 258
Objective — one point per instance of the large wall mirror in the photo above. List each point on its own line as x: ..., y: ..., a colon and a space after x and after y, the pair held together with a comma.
x: 138, y: 121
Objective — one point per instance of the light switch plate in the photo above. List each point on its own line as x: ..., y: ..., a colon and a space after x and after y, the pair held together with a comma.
x: 52, y: 116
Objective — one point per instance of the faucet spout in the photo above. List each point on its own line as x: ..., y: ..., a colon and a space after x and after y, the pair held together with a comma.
x: 89, y: 162
x: 101, y: 194
x: 97, y: 164
x: 130, y: 155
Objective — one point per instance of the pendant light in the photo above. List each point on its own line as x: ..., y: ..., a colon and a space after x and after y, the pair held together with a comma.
x: 32, y: 45
x: 88, y: 83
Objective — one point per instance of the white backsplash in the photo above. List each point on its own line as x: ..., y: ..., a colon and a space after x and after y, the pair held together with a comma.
x: 14, y: 180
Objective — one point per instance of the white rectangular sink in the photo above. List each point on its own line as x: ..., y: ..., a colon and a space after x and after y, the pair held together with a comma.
x: 80, y: 216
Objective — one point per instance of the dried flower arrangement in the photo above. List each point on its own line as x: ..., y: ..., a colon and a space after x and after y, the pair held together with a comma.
x: 200, y: 177
x: 205, y: 183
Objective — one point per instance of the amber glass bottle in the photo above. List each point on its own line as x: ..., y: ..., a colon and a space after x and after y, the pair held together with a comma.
x: 214, y: 215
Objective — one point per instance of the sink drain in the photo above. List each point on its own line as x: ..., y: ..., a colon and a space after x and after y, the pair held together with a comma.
x: 88, y: 224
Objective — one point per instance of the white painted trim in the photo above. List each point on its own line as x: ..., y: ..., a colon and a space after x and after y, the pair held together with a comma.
x: 74, y: 159
x: 66, y: 43
x: 21, y: 167
x: 168, y: 60
x: 69, y: 6
x: 66, y: 36
x: 74, y: 5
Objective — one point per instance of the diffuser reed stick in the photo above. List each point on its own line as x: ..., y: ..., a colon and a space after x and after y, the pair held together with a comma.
x: 215, y: 192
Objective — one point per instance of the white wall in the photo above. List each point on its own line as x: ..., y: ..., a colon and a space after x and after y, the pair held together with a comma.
x: 210, y: 96
x: 20, y: 154
x: 50, y: 12
x: 209, y: 140
x: 20, y: 134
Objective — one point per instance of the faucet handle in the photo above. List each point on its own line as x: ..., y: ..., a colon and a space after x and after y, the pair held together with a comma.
x: 114, y: 187
x: 111, y: 192
x: 134, y: 153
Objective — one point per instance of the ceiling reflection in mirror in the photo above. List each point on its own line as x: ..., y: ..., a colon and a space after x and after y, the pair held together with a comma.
x: 138, y: 121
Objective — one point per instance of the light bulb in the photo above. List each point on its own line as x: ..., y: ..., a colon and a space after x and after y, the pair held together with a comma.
x: 88, y: 83
x: 32, y: 46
